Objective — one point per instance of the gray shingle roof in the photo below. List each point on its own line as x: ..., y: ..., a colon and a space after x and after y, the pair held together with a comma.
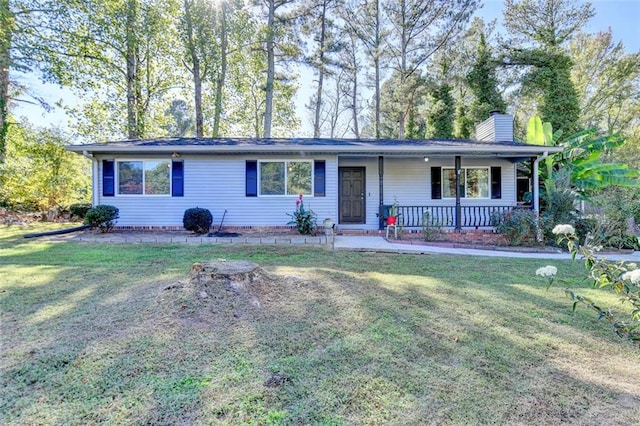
x: 311, y: 145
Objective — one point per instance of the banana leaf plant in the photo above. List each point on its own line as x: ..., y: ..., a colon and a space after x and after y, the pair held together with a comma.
x: 582, y: 159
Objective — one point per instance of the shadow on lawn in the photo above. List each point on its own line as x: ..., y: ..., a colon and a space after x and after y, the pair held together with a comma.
x: 352, y: 342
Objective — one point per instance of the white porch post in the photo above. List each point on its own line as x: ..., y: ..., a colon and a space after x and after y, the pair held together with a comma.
x: 94, y: 182
x: 536, y: 182
x: 458, y: 166
x: 381, y: 222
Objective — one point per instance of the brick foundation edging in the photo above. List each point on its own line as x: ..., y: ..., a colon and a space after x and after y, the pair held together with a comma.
x: 273, y: 240
x: 466, y: 236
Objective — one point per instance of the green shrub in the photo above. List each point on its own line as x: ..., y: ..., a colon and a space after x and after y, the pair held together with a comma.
x: 197, y: 220
x: 103, y: 217
x: 79, y: 210
x: 558, y: 206
x: 519, y: 226
x: 625, y: 241
x: 303, y: 219
x: 431, y: 229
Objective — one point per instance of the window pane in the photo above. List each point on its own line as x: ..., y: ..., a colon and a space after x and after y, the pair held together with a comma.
x: 156, y: 177
x: 272, y: 178
x: 477, y: 183
x: 130, y: 177
x: 298, y: 178
x: 448, y: 183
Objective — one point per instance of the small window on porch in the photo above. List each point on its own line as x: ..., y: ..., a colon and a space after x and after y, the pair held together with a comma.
x: 474, y: 182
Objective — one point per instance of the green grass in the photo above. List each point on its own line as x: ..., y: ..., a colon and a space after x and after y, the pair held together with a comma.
x: 101, y: 334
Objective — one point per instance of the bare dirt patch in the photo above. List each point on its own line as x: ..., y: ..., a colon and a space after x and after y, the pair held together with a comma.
x: 226, y: 291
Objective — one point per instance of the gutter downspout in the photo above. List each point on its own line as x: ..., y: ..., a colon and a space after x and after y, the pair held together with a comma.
x: 94, y: 177
x: 536, y: 193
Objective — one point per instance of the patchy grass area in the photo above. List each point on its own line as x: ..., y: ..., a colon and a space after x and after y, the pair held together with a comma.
x: 108, y: 334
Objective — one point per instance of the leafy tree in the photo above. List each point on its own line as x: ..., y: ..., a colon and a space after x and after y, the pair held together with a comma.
x: 7, y: 27
x: 120, y: 52
x: 350, y: 86
x: 277, y: 34
x: 545, y: 23
x: 319, y: 22
x: 539, y: 30
x: 607, y: 81
x: 181, y: 124
x: 202, y: 48
x: 21, y: 50
x: 420, y: 29
x: 39, y: 173
x: 483, y: 83
x: 406, y: 99
x: 245, y: 110
x: 441, y: 114
x: 364, y: 19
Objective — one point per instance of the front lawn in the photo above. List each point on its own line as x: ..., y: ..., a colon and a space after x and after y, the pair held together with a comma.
x: 108, y: 334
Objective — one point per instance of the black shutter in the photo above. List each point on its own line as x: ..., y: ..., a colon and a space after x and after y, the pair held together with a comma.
x: 108, y: 178
x: 177, y: 178
x: 496, y: 183
x: 436, y: 183
x: 319, y: 178
x: 251, y: 179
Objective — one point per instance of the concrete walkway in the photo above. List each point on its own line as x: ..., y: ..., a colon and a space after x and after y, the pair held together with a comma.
x: 379, y: 244
x: 339, y: 242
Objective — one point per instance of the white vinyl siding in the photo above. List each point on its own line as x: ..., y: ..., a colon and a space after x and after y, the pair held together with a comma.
x: 217, y: 183
x: 408, y: 180
x: 498, y: 127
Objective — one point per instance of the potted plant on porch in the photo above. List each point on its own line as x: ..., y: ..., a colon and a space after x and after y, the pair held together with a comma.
x: 393, y: 214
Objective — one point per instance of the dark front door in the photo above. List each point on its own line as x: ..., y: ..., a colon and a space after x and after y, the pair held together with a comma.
x: 352, y: 195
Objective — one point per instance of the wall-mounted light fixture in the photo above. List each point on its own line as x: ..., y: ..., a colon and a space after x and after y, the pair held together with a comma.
x: 175, y: 155
x: 426, y: 159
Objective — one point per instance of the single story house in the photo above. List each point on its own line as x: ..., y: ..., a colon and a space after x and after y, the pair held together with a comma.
x: 255, y: 182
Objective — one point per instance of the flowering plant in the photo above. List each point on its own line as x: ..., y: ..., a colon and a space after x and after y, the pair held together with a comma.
x: 303, y: 219
x: 620, y: 277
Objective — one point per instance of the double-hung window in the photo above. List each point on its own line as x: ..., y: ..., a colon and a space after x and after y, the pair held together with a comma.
x: 148, y: 177
x: 285, y: 177
x: 474, y: 182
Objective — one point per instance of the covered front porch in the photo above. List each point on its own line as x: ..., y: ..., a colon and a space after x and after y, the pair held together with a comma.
x: 453, y: 192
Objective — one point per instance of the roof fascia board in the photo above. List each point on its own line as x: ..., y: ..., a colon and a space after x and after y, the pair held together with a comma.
x: 368, y: 149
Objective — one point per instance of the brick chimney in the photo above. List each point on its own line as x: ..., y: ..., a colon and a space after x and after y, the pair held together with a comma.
x: 497, y: 128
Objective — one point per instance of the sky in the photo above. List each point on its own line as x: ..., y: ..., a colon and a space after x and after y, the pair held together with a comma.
x: 622, y: 16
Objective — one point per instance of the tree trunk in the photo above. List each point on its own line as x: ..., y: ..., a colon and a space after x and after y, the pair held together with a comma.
x: 403, y: 67
x: 354, y: 91
x: 195, y: 69
x: 323, y: 24
x: 223, y: 73
x: 132, y: 75
x: 197, y: 97
x: 271, y: 68
x: 376, y: 61
x: 6, y: 28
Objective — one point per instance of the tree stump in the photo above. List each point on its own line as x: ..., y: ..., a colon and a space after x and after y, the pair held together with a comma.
x: 238, y: 276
